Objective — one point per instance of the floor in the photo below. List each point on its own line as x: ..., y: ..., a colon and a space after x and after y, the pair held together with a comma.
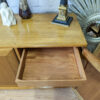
x: 90, y: 90
x: 36, y: 94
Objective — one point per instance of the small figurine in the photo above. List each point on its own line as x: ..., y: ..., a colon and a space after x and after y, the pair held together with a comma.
x: 24, y: 10
x: 62, y: 17
x: 7, y: 15
x: 62, y: 10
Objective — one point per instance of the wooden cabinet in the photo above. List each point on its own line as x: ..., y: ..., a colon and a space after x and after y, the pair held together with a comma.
x: 52, y: 62
x: 50, y: 67
x: 8, y: 66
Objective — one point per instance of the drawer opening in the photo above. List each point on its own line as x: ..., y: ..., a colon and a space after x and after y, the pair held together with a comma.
x: 52, y: 65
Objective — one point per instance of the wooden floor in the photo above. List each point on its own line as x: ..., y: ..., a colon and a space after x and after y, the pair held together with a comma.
x: 91, y: 89
x: 47, y: 94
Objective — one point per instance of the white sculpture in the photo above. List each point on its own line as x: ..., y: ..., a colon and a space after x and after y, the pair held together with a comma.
x: 7, y: 15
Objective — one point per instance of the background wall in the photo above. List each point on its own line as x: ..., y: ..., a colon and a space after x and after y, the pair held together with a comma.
x: 37, y: 6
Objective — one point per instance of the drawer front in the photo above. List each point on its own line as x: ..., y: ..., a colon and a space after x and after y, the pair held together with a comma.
x: 50, y: 67
x: 8, y: 67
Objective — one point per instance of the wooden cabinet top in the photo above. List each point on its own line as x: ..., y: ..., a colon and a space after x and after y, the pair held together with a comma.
x: 40, y: 32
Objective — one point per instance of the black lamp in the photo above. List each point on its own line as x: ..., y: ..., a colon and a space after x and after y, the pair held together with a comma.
x: 62, y: 17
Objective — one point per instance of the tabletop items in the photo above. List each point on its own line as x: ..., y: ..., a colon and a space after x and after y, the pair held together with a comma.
x: 7, y: 15
x: 24, y: 10
x: 25, y: 13
x: 62, y: 17
x: 62, y: 10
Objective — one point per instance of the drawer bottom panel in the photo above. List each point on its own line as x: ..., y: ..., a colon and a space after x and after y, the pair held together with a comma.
x: 50, y: 67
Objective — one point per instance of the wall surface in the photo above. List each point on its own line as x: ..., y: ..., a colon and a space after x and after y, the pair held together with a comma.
x: 37, y: 6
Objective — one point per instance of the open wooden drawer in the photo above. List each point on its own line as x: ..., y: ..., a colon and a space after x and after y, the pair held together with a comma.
x: 50, y: 67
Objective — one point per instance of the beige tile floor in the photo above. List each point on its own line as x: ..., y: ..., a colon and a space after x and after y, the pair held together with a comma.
x: 39, y: 94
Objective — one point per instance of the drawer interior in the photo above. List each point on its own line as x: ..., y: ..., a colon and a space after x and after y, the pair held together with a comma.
x: 50, y: 64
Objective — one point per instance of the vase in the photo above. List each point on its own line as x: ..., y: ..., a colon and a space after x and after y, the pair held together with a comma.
x: 24, y: 10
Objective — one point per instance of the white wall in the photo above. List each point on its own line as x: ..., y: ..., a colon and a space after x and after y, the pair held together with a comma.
x: 37, y: 6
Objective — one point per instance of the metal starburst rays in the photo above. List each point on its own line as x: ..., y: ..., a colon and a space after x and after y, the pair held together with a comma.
x: 88, y: 13
x: 85, y: 9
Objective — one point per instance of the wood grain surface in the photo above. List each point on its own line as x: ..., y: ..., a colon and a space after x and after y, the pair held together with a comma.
x: 5, y: 51
x: 97, y: 52
x: 40, y: 32
x: 51, y: 64
x: 8, y: 67
x: 91, y: 89
x: 55, y: 67
x: 95, y: 61
x: 17, y: 53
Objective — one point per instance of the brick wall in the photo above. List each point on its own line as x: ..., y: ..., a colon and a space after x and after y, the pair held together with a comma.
x: 37, y: 6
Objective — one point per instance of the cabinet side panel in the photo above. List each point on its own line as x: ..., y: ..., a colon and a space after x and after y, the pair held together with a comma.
x: 8, y: 69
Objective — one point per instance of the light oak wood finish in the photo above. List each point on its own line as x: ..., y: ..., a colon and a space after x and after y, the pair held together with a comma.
x: 91, y: 58
x: 91, y: 88
x: 51, y: 67
x: 97, y: 52
x: 8, y: 67
x: 17, y: 54
x: 40, y: 32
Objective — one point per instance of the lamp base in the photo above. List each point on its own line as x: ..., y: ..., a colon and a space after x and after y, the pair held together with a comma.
x: 65, y: 23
